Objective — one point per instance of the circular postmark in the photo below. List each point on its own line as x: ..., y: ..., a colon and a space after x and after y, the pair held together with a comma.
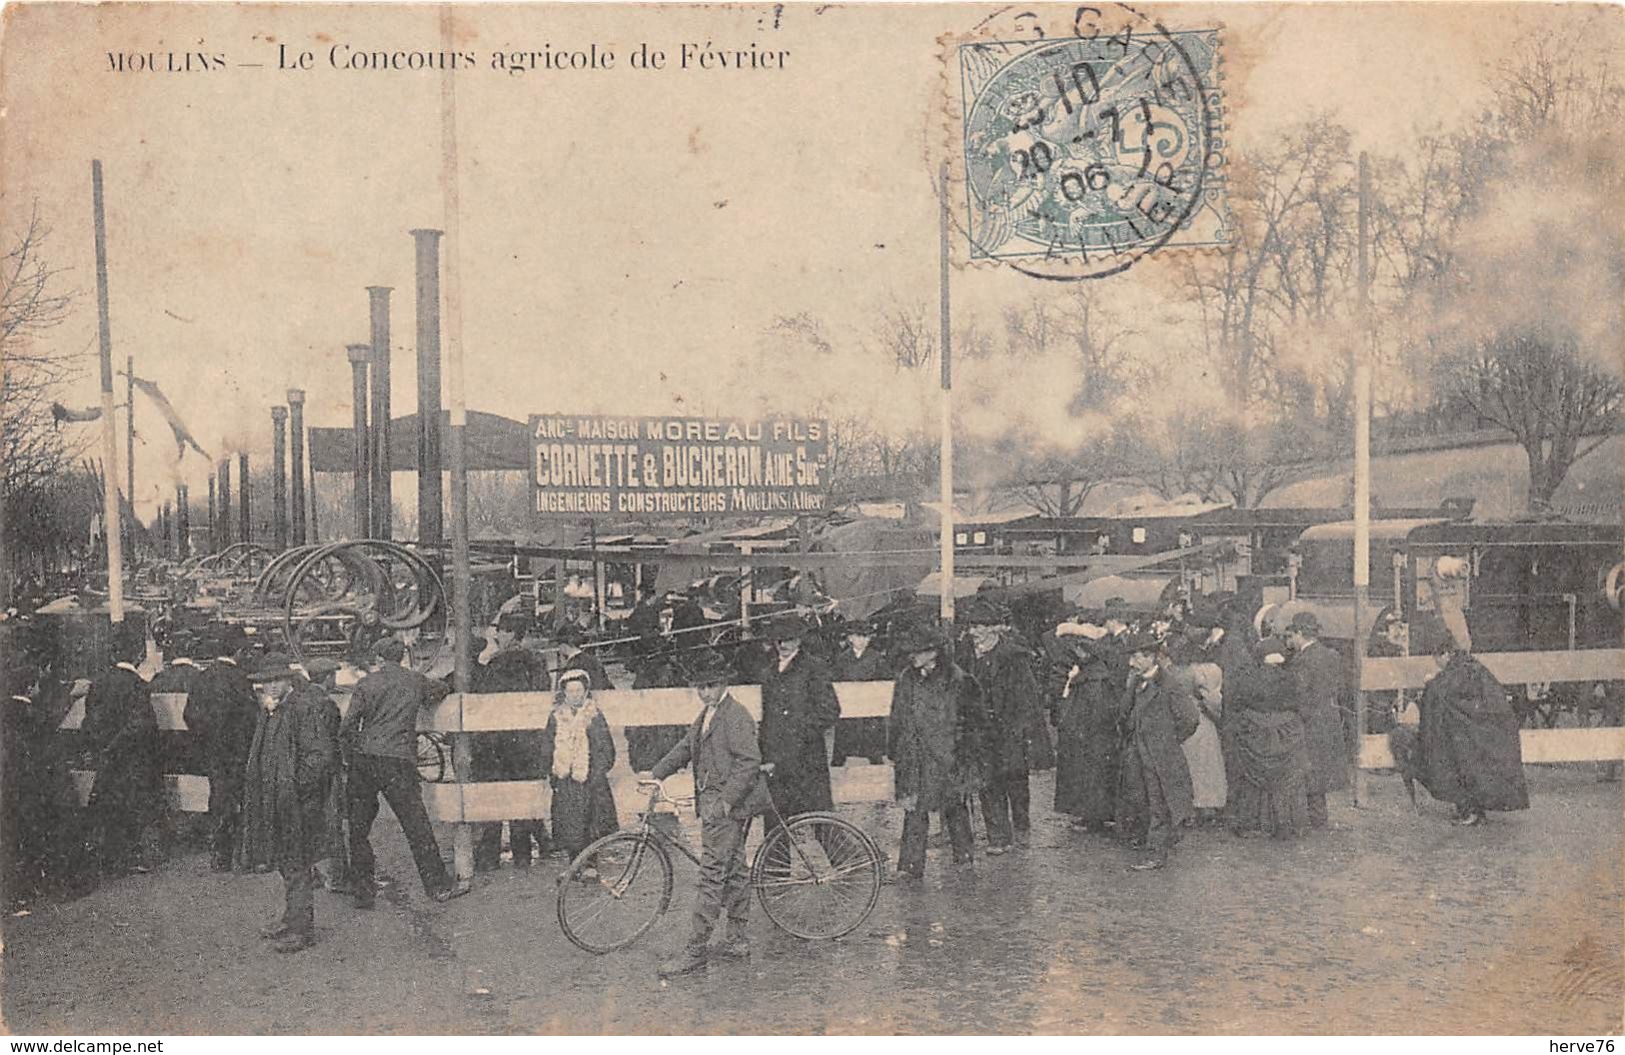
x: 1083, y: 152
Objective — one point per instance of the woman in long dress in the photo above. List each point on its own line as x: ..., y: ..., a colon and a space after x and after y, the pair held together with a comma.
x: 578, y: 753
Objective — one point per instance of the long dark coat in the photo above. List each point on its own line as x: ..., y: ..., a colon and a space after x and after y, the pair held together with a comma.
x: 1086, y: 732
x: 121, y: 732
x: 1471, y: 752
x: 1270, y: 762
x: 509, y: 755
x: 1155, y: 780
x: 1018, y: 735
x: 938, y: 736
x: 290, y: 764
x: 582, y: 810
x: 222, y: 710
x: 1319, y: 671
x: 798, y: 705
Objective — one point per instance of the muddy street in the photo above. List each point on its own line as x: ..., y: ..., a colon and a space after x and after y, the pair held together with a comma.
x: 1400, y: 924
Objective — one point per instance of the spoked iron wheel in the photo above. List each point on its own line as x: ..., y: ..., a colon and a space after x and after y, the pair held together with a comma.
x: 818, y: 877
x: 614, y: 891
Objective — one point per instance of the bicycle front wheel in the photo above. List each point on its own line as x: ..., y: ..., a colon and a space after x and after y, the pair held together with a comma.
x: 614, y: 891
x: 818, y: 877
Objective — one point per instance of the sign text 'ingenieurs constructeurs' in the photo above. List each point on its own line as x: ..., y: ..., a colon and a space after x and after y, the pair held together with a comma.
x: 659, y: 466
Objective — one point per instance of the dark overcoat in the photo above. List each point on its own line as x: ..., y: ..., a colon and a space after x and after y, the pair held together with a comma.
x: 1018, y: 735
x: 1155, y: 779
x: 1471, y: 751
x: 121, y: 732
x: 290, y: 764
x: 222, y: 710
x: 798, y: 705
x: 509, y: 755
x: 1086, y: 731
x: 938, y: 736
x: 864, y: 737
x: 1319, y: 672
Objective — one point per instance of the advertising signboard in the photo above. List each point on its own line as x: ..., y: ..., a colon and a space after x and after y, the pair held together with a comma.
x: 613, y: 466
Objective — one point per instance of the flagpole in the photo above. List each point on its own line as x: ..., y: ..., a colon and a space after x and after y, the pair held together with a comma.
x: 462, y: 653
x: 110, y: 513
x: 129, y: 448
x: 1362, y: 476
x: 946, y: 482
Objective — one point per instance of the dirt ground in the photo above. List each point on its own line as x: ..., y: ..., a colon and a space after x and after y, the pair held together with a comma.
x: 1402, y: 924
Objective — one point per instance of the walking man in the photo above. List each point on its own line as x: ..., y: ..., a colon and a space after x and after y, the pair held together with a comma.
x: 290, y: 763
x: 722, y: 748
x: 380, y: 739
x: 1155, y: 785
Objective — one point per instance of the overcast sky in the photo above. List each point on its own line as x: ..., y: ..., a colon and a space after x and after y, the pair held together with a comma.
x: 625, y: 234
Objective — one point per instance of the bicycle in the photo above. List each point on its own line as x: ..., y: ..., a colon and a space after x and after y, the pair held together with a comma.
x: 817, y: 876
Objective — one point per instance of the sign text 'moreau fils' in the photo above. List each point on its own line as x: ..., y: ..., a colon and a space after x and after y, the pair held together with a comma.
x: 673, y: 466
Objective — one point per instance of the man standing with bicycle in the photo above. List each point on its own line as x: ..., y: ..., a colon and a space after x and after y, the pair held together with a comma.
x: 729, y: 791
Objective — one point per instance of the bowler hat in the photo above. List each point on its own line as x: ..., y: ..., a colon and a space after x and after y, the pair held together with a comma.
x: 984, y: 611
x: 707, y: 667
x: 1115, y: 606
x: 274, y: 667
x: 1203, y: 617
x: 1305, y: 623
x: 921, y: 637
x: 787, y: 626
x: 389, y: 648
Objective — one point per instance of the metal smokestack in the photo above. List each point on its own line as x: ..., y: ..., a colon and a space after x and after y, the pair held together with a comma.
x: 225, y: 502
x: 183, y: 523
x: 296, y: 472
x: 359, y: 354
x: 245, y: 514
x: 279, y: 476
x: 382, y: 509
x: 429, y: 495
x: 214, y: 526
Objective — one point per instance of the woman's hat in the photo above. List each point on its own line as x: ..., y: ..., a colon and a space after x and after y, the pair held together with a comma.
x: 576, y: 674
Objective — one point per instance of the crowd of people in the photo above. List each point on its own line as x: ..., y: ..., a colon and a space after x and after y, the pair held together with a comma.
x: 1153, y: 722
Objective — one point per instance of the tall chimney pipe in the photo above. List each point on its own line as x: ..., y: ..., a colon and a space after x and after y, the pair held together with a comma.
x: 225, y: 502
x: 214, y: 526
x: 315, y: 529
x: 359, y: 355
x: 279, y: 476
x: 382, y: 500
x: 296, y: 472
x: 430, y: 529
x: 183, y: 522
x: 166, y: 530
x: 245, y: 516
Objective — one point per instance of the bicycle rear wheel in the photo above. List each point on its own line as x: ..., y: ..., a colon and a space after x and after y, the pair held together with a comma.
x: 614, y: 891
x: 818, y: 877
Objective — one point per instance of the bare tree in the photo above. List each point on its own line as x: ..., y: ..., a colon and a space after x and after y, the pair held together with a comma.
x: 1538, y: 387
x: 32, y: 450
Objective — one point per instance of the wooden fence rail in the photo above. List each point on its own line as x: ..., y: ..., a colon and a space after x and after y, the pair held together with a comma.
x: 632, y: 708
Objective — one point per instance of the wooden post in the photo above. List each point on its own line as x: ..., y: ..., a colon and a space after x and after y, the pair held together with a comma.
x: 1362, y: 471
x: 110, y: 510
x: 129, y: 451
x: 946, y: 482
x: 462, y: 746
